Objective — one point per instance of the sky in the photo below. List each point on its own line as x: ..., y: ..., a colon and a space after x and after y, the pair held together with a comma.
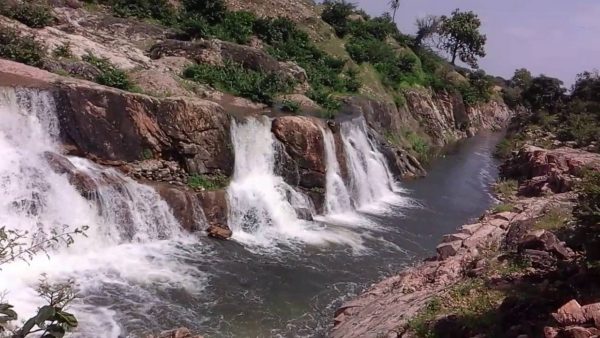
x: 558, y: 38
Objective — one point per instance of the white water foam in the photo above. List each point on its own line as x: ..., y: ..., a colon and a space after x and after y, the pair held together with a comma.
x: 263, y: 208
x: 130, y: 244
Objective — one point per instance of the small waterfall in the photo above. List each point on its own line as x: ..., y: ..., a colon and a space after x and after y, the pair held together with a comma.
x: 337, y: 197
x: 262, y: 207
x: 126, y: 220
x: 370, y: 178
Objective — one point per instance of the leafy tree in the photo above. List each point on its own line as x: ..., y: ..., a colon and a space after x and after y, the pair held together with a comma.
x: 587, y: 87
x: 521, y: 79
x: 544, y: 93
x: 394, y: 5
x: 213, y: 11
x: 461, y: 38
x: 336, y: 14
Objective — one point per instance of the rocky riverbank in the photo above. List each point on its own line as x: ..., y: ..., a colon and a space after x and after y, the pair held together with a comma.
x: 510, y: 273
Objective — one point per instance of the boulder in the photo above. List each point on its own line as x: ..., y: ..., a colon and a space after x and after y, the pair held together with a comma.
x: 455, y: 237
x: 578, y: 332
x: 592, y: 313
x: 215, y: 206
x: 84, y: 184
x: 470, y: 229
x: 570, y: 314
x: 219, y: 232
x: 545, y: 241
x: 449, y: 249
x: 181, y: 332
x: 182, y: 202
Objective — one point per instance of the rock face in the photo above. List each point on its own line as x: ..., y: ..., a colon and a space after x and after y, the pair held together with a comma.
x: 385, y: 308
x: 544, y: 170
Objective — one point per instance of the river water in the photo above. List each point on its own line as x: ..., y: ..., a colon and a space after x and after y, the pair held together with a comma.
x: 280, y: 276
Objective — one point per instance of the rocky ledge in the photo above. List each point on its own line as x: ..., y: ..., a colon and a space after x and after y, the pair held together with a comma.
x: 510, y: 271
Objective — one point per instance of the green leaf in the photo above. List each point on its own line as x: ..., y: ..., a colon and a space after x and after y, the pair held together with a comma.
x: 8, y: 312
x: 66, y: 318
x: 45, y: 313
x: 29, y: 324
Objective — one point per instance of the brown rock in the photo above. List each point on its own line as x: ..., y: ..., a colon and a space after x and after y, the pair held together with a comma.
x: 577, y: 332
x: 550, y: 332
x: 455, y: 237
x: 546, y: 241
x: 183, y: 203
x: 449, y: 249
x: 181, y: 332
x: 215, y: 206
x: 570, y: 314
x: 470, y: 229
x: 219, y: 231
x: 592, y: 313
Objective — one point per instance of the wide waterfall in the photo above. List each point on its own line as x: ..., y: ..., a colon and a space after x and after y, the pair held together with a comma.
x: 125, y: 246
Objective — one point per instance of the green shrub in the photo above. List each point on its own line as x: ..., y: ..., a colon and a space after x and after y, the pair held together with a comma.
x: 236, y: 26
x: 378, y: 28
x: 290, y: 106
x: 326, y: 100
x: 213, y: 11
x: 233, y: 78
x: 33, y: 13
x: 506, y: 188
x: 160, y: 10
x: 336, y: 14
x: 553, y: 219
x: 587, y: 210
x: 418, y: 145
x: 63, y: 51
x: 208, y: 182
x: 503, y: 207
x: 25, y: 49
x: 110, y: 75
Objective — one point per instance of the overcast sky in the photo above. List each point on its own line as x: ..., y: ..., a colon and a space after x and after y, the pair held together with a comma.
x: 559, y: 38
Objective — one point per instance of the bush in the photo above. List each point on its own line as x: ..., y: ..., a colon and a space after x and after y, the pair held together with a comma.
x: 160, y: 10
x: 63, y: 51
x: 110, y: 75
x: 236, y: 26
x: 213, y: 11
x: 336, y: 14
x: 33, y: 13
x: 233, y: 78
x: 377, y: 28
x: 587, y: 210
x: 327, y: 100
x: 207, y: 182
x: 290, y: 106
x: 25, y: 49
x: 505, y: 189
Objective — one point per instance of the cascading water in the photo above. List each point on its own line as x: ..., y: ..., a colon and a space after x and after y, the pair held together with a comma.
x: 124, y: 248
x: 337, y: 197
x: 262, y: 207
x: 370, y: 178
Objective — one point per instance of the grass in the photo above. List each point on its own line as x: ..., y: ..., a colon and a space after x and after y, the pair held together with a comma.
x: 110, y: 75
x: 505, y: 189
x: 208, y: 182
x: 503, y: 207
x: 472, y: 301
x: 553, y: 219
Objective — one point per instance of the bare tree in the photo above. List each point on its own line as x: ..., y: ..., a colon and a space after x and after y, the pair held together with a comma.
x: 394, y: 5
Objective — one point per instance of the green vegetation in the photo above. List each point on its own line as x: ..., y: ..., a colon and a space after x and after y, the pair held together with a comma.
x: 553, y: 219
x: 21, y: 48
x: 235, y: 79
x: 503, y: 207
x: 472, y: 301
x: 289, y: 106
x: 461, y: 38
x: 33, y: 13
x: 110, y: 75
x: 506, y: 189
x: 587, y: 211
x: 207, y: 182
x: 63, y: 51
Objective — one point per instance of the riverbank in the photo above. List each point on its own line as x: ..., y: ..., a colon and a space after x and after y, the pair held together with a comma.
x: 511, y: 261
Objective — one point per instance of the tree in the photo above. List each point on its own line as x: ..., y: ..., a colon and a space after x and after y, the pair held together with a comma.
x: 394, y: 5
x: 461, y: 38
x: 427, y: 27
x: 587, y: 87
x: 336, y: 14
x: 544, y: 94
x: 521, y: 79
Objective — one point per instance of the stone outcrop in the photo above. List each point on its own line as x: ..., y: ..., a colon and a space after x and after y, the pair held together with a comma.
x: 181, y: 332
x: 386, y: 307
x: 548, y: 171
x: 575, y: 321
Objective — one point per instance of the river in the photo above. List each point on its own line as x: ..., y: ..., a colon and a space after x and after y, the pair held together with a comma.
x: 279, y: 277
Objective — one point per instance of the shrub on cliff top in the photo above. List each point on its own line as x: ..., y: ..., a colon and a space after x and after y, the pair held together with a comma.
x: 336, y: 14
x: 160, y: 10
x: 33, y: 13
x: 110, y: 74
x: 25, y: 49
x: 233, y: 78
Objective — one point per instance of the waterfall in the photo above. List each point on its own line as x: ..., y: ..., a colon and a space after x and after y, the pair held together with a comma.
x: 262, y: 207
x: 337, y: 197
x: 370, y: 178
x: 127, y: 221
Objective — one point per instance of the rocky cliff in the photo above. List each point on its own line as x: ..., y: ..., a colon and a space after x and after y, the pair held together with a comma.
x: 173, y: 129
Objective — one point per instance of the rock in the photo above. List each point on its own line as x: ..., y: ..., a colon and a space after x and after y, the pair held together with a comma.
x: 455, y: 237
x: 158, y: 83
x: 546, y: 241
x: 470, y: 229
x: 506, y: 215
x: 84, y: 184
x: 183, y: 202
x: 219, y: 231
x: 215, y: 206
x: 539, y: 259
x: 448, y: 249
x: 499, y: 223
x: 550, y: 332
x: 481, y: 237
x: 76, y: 68
x: 592, y: 313
x: 577, y: 332
x: 181, y: 332
x: 570, y: 314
